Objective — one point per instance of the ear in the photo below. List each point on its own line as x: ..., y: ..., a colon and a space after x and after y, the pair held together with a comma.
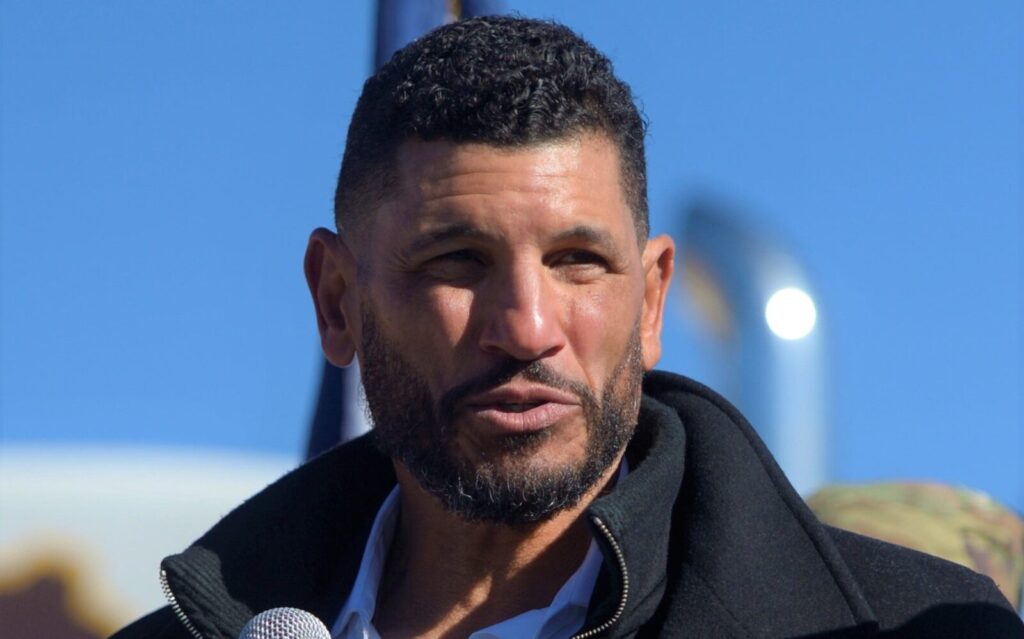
x: 659, y: 262
x: 330, y: 274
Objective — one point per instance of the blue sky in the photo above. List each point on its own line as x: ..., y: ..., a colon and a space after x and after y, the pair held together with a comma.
x: 162, y: 163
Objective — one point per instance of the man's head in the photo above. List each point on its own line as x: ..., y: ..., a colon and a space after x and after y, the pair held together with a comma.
x: 507, y: 82
x: 498, y: 287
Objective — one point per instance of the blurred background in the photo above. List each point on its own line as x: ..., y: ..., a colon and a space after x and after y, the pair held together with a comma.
x: 844, y: 181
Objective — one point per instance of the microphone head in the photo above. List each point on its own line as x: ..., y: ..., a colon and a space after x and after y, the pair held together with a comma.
x: 285, y: 623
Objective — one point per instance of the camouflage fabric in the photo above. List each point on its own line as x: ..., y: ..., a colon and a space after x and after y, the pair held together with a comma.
x: 958, y: 524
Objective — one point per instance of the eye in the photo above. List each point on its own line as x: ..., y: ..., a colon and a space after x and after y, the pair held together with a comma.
x: 458, y: 256
x: 579, y: 265
x: 579, y: 257
x: 455, y: 266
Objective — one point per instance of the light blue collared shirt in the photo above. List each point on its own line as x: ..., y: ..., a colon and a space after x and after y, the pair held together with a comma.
x: 563, y: 616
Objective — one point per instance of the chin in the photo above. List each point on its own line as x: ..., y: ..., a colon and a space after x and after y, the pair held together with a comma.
x: 528, y: 479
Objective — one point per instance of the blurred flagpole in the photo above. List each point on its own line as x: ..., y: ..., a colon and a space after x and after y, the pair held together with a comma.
x: 764, y: 312
x: 339, y: 416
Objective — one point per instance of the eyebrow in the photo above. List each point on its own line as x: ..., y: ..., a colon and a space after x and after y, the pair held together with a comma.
x: 443, y: 234
x: 590, y: 235
x: 458, y: 230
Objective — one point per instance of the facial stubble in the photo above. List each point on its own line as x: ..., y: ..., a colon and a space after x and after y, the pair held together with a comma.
x: 419, y: 432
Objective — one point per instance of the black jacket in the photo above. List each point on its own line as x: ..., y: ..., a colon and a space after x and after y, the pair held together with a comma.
x: 703, y: 538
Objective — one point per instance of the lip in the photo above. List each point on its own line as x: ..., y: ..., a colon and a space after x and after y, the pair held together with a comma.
x: 493, y: 409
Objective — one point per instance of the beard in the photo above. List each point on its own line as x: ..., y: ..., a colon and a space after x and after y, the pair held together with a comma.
x: 505, y: 487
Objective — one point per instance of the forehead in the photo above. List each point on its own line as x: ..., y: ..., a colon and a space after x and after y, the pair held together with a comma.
x: 569, y: 181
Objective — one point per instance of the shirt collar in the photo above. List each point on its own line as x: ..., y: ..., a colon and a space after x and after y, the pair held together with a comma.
x: 362, y: 602
x: 561, y: 618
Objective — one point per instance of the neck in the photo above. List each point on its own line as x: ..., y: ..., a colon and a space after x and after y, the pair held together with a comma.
x: 446, y: 576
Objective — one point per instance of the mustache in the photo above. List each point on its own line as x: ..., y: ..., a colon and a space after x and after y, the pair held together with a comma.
x: 536, y: 371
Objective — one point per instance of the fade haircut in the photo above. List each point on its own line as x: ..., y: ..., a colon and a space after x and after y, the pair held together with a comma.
x: 504, y: 81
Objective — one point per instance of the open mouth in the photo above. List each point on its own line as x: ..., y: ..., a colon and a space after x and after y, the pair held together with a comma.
x: 519, y: 417
x: 519, y: 407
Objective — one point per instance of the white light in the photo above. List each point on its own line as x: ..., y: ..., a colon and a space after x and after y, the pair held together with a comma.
x: 790, y: 313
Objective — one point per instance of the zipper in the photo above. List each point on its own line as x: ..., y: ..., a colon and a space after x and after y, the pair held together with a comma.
x: 621, y: 559
x: 176, y: 607
x: 593, y: 632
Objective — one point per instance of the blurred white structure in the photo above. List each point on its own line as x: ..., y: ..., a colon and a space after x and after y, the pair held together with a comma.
x: 758, y: 304
x: 104, y: 517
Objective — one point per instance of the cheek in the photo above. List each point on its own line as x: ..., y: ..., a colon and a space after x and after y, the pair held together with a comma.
x: 429, y: 324
x: 600, y: 326
x: 450, y: 311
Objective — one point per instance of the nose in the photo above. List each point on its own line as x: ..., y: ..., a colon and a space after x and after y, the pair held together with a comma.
x: 522, y: 315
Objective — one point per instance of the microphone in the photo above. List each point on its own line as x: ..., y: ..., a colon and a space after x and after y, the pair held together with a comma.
x: 285, y: 623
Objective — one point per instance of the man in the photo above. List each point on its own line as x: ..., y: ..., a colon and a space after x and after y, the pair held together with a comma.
x: 493, y: 274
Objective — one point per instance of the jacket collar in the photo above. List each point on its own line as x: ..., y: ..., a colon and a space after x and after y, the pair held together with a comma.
x: 711, y: 533
x: 287, y: 546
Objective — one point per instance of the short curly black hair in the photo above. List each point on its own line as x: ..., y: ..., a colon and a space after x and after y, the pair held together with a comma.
x: 506, y: 81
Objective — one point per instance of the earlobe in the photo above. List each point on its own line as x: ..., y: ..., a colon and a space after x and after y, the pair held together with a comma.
x: 329, y: 269
x: 659, y: 263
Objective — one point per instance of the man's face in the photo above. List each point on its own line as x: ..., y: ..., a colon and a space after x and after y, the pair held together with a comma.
x: 506, y: 312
